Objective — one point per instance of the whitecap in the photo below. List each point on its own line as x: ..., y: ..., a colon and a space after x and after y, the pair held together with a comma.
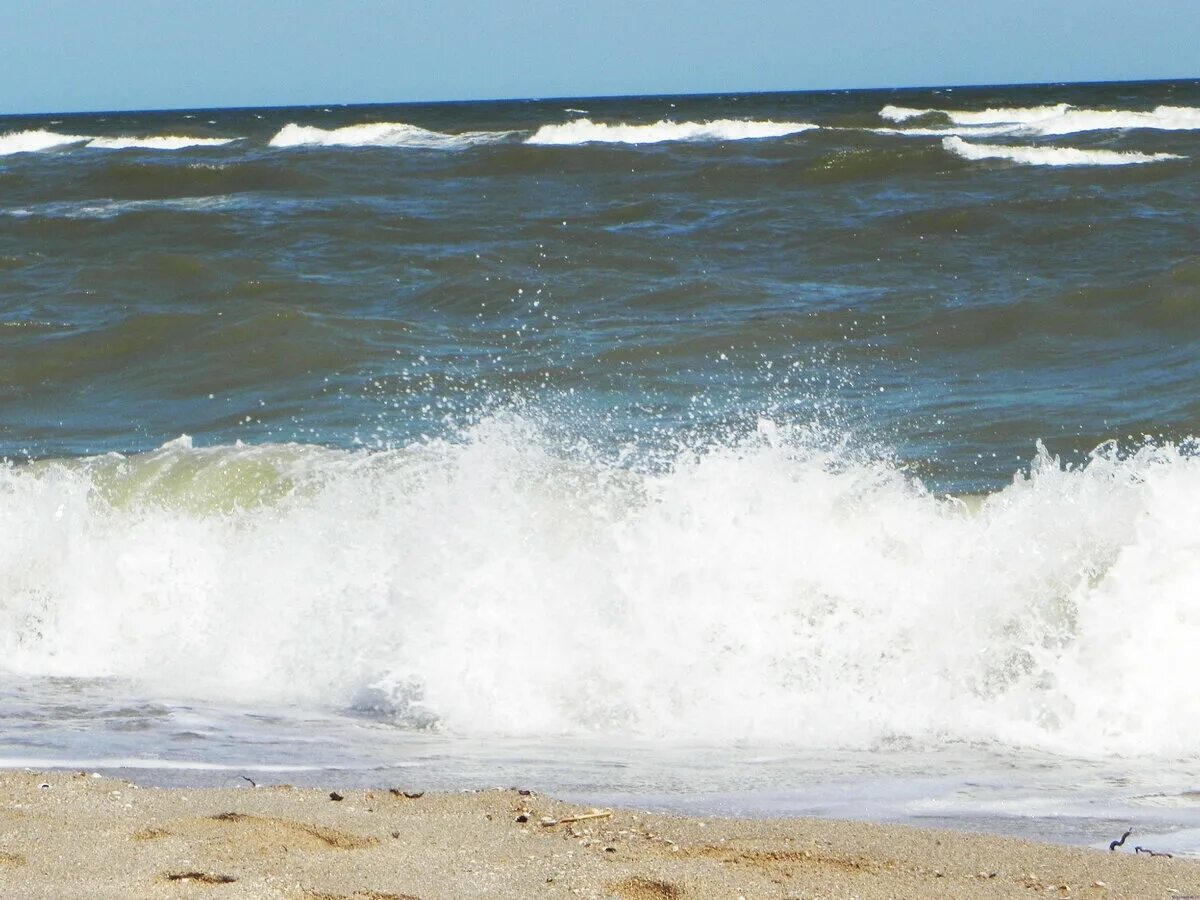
x: 1059, y: 119
x: 156, y: 142
x: 902, y: 113
x: 33, y: 141
x: 381, y: 134
x: 975, y: 131
x: 1161, y: 118
x: 1051, y: 156
x: 585, y: 131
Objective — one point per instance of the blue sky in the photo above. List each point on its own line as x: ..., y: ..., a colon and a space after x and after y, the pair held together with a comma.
x: 64, y: 55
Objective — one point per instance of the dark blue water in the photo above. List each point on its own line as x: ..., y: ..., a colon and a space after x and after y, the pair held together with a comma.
x: 361, y: 282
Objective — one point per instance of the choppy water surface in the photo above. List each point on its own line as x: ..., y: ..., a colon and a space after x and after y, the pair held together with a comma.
x: 852, y: 432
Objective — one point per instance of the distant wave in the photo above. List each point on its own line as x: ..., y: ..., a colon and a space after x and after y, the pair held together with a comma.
x: 585, y: 131
x: 157, y: 142
x: 1162, y: 118
x: 1051, y: 156
x: 381, y: 134
x: 1048, y: 120
x: 34, y: 141
x: 982, y: 117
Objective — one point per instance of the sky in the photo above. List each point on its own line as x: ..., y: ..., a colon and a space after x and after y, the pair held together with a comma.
x: 71, y: 55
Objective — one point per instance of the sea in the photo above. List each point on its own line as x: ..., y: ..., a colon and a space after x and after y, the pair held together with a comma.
x: 754, y: 454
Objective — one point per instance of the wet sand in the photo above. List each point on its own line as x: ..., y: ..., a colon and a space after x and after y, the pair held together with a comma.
x: 75, y: 835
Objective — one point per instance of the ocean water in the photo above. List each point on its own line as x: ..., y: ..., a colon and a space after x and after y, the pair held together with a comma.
x: 784, y: 453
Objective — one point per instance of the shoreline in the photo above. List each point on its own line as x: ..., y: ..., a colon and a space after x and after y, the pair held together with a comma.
x: 74, y: 834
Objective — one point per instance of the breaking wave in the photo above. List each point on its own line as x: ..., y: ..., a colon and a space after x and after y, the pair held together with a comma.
x: 585, y: 131
x: 157, y: 142
x: 34, y: 141
x: 381, y: 134
x: 1047, y: 121
x: 1051, y: 156
x: 981, y: 117
x: 764, y: 589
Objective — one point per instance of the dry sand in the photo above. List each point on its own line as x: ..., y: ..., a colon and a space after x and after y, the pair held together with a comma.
x: 67, y: 836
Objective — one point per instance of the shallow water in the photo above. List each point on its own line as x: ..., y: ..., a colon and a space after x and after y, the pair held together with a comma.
x: 945, y: 784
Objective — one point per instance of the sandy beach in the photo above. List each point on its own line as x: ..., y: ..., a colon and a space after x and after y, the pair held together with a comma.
x: 78, y: 835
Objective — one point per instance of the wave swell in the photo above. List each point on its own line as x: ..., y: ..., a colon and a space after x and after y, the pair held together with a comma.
x: 381, y: 134
x: 34, y: 141
x: 763, y: 590
x: 585, y: 131
x: 989, y: 116
x: 1051, y: 156
x: 1047, y: 121
x: 156, y: 142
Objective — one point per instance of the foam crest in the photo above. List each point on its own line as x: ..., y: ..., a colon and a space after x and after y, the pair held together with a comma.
x: 156, y: 142
x: 381, y: 134
x: 1051, y: 156
x: 989, y: 116
x: 1163, y: 118
x: 765, y: 590
x: 971, y: 131
x: 1058, y: 119
x: 1006, y: 115
x: 902, y: 113
x: 585, y: 131
x: 33, y: 141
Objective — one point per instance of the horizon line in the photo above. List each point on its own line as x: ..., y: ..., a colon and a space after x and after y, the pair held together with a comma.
x: 593, y: 97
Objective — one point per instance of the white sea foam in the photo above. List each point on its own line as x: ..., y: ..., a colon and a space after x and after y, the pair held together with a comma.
x: 902, y: 113
x: 981, y: 117
x: 33, y: 141
x: 111, y: 209
x: 1046, y: 120
x: 971, y: 131
x: 381, y: 134
x: 1162, y: 118
x: 763, y: 590
x: 43, y: 763
x: 156, y: 142
x: 585, y: 131
x: 1051, y: 156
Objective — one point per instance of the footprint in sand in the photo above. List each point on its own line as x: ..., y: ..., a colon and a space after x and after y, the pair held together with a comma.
x: 639, y: 888
x: 261, y: 833
x: 150, y: 834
